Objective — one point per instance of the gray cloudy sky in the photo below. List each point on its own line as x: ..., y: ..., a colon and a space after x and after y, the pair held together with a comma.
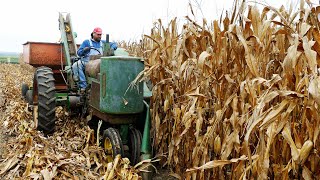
x: 37, y: 20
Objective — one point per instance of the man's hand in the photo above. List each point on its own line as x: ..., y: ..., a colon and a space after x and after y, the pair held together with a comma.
x: 86, y: 49
x: 113, y: 46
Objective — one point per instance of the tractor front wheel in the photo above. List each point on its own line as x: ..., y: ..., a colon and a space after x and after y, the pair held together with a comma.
x: 29, y: 97
x: 44, y: 100
x: 135, y: 141
x: 112, y: 144
x: 24, y: 89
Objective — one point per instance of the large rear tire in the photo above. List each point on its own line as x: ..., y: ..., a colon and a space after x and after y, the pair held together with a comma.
x: 112, y: 144
x: 44, y: 100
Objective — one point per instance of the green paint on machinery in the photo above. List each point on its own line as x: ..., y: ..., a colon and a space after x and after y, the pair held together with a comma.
x: 112, y: 95
x: 117, y: 97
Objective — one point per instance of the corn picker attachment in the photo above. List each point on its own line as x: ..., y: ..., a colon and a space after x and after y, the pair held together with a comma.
x: 111, y: 101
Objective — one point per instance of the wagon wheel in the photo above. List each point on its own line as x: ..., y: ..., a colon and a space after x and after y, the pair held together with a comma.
x: 44, y: 100
x: 135, y: 141
x: 112, y: 144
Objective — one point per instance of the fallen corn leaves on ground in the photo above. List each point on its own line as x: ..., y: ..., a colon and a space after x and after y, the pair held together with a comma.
x: 70, y: 153
x: 238, y: 97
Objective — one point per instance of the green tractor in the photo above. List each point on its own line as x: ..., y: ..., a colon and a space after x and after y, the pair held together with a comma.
x: 111, y: 96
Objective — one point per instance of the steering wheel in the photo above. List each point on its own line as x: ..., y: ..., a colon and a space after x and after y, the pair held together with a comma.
x: 75, y: 59
x: 95, y: 49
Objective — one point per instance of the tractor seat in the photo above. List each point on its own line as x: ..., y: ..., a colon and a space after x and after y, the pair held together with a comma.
x: 93, y: 68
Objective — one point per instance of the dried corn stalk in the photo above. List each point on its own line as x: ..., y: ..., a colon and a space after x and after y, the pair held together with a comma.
x: 237, y: 98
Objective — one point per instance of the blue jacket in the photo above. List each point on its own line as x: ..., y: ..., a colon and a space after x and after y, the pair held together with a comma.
x: 95, y: 44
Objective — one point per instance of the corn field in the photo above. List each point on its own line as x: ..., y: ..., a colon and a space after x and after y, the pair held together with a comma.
x: 237, y: 98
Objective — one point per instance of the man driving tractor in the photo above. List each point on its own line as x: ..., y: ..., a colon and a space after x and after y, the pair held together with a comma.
x: 89, y: 47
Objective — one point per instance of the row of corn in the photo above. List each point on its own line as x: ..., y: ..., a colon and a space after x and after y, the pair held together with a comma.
x: 237, y: 97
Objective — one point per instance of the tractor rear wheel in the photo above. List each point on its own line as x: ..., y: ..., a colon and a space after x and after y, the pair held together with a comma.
x: 44, y: 100
x: 112, y: 144
x: 135, y: 141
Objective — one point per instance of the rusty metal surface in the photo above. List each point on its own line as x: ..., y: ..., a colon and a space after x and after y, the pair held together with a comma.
x: 47, y: 54
x: 59, y: 81
x: 93, y: 68
x: 94, y: 57
x: 114, y: 119
x: 43, y: 54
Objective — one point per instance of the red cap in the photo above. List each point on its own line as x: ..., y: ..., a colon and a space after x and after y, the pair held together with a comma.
x: 97, y: 30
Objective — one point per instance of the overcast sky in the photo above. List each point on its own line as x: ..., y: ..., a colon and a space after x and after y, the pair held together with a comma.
x: 37, y: 20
